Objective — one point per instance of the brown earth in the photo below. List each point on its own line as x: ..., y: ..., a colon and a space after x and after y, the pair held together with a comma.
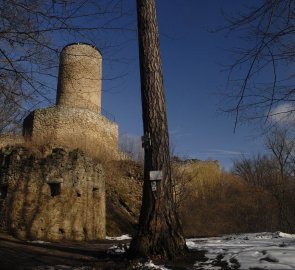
x: 92, y: 255
x: 18, y: 254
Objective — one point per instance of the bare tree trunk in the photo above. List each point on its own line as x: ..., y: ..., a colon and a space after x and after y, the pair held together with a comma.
x: 159, y: 233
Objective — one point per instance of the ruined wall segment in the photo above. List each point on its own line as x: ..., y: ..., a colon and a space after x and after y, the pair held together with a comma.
x: 57, y: 197
x: 79, y: 80
x: 73, y: 128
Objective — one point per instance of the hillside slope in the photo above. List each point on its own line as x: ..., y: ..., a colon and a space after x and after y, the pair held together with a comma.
x: 124, y: 180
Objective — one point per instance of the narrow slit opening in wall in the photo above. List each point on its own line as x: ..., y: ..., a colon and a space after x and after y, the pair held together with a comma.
x: 55, y: 189
x: 3, y: 192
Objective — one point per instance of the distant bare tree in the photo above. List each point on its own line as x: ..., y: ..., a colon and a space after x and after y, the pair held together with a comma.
x: 262, y: 76
x: 9, y: 102
x: 282, y: 147
x: 131, y: 146
x: 258, y: 171
x: 274, y: 173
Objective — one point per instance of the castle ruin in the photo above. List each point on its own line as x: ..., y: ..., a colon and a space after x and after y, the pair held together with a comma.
x: 60, y: 194
x: 76, y: 120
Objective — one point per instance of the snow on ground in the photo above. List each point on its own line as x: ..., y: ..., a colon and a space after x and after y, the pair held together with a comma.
x: 236, y: 251
x: 248, y: 251
x: 38, y: 242
x: 122, y: 237
x: 150, y: 266
x: 117, y: 249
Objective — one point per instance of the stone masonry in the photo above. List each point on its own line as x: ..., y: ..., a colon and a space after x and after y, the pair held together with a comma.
x: 60, y: 196
x: 72, y: 128
x: 46, y: 191
x: 76, y: 120
x: 79, y: 79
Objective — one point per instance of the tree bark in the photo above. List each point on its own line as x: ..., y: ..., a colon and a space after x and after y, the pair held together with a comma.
x: 159, y: 233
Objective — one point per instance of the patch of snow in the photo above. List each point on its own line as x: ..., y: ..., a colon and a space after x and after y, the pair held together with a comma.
x: 61, y: 267
x: 190, y: 244
x: 38, y: 242
x: 117, y: 249
x: 287, y: 235
x: 253, y: 250
x: 150, y: 266
x: 122, y: 237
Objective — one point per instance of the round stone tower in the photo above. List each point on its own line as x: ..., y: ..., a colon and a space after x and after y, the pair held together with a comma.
x: 79, y: 80
x: 76, y: 121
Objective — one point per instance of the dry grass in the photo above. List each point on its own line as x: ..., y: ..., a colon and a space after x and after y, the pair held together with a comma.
x: 216, y: 202
x: 10, y: 139
x: 210, y: 202
x: 99, y: 153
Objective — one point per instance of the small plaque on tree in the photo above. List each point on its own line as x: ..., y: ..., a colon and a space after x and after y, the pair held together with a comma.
x: 156, y: 175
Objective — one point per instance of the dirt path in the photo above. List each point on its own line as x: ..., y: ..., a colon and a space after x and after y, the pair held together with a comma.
x: 16, y: 254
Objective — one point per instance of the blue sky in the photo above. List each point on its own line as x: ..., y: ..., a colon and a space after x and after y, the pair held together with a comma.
x: 193, y: 63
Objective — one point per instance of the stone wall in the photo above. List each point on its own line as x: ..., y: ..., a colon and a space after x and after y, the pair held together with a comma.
x: 72, y: 128
x: 59, y: 196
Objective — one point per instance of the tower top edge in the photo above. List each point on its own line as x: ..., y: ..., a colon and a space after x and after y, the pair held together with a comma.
x: 81, y: 43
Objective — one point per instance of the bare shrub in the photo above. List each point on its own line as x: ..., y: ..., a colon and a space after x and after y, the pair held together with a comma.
x: 131, y: 147
x: 100, y: 153
x: 265, y: 175
x: 213, y: 202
